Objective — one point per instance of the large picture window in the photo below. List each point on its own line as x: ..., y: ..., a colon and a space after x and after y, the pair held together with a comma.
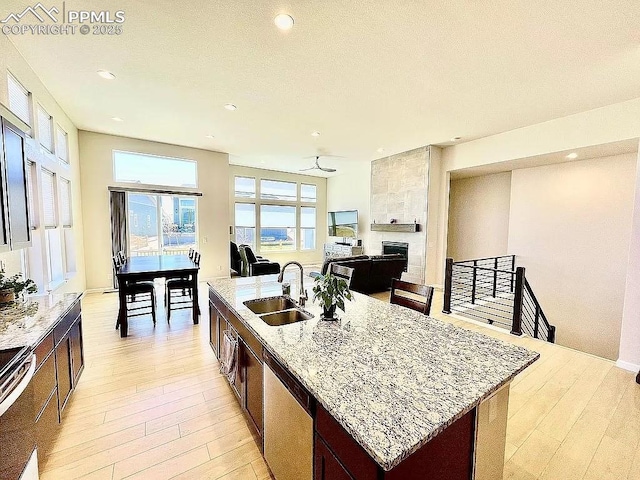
x: 278, y: 217
x: 277, y: 228
x: 131, y: 167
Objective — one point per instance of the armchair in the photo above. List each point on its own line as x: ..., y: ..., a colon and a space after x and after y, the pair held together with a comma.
x: 254, y: 266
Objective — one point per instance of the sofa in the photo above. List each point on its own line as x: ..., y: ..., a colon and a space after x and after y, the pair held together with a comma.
x: 370, y: 273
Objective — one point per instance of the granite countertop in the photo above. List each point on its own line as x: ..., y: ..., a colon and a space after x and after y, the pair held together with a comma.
x: 25, y: 323
x: 390, y: 376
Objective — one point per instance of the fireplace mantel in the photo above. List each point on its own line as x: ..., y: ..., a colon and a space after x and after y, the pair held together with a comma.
x: 395, y: 227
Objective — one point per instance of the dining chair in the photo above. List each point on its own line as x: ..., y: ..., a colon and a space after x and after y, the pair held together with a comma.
x: 191, y: 252
x: 140, y: 296
x: 419, y: 296
x: 340, y: 271
x: 183, y: 286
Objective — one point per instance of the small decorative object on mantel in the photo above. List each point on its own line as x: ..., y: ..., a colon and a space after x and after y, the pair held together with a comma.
x: 14, y: 286
x: 331, y: 291
x: 393, y: 220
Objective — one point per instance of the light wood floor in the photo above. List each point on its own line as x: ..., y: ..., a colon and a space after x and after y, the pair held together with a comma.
x: 154, y: 406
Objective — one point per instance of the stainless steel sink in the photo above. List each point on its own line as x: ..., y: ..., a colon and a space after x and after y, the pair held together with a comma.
x: 276, y: 311
x: 270, y: 304
x: 285, y: 317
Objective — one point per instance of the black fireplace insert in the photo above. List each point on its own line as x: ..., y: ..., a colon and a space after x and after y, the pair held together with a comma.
x: 397, y: 247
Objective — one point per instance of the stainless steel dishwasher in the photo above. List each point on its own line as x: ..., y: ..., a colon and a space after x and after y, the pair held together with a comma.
x: 288, y: 425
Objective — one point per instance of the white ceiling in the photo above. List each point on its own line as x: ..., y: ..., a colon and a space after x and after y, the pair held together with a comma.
x: 366, y: 74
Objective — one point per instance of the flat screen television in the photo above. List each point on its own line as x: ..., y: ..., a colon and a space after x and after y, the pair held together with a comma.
x: 343, y: 224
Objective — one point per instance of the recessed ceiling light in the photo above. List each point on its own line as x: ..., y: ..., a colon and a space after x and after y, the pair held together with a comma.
x: 210, y: 136
x: 283, y: 21
x: 315, y: 134
x: 117, y: 119
x: 455, y: 139
x: 380, y: 150
x: 106, y: 74
x: 573, y: 155
x: 230, y: 106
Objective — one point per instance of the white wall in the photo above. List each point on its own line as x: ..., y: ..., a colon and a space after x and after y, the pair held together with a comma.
x: 479, y: 216
x: 570, y: 227
x: 305, y: 257
x: 11, y: 60
x: 629, y: 356
x: 96, y: 153
x: 620, y: 121
x: 352, y: 191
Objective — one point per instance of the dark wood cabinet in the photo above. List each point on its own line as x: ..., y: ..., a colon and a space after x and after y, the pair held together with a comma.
x: 63, y: 367
x: 253, y: 381
x: 248, y: 381
x: 325, y: 464
x: 60, y: 361
x: 214, y: 329
x: 15, y: 232
x: 77, y: 350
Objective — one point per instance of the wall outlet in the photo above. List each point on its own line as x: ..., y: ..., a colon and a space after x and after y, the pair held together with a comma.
x: 220, y: 267
x: 205, y: 239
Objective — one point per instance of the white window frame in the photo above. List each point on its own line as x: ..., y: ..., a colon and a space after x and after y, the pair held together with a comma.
x: 62, y: 147
x: 49, y: 147
x: 13, y: 79
x: 258, y: 201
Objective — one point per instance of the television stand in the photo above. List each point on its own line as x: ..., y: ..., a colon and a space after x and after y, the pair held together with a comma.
x: 336, y: 250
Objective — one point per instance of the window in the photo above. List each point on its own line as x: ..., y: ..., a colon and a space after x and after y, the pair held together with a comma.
x: 273, y: 190
x: 31, y: 204
x: 308, y: 193
x: 65, y: 202
x: 307, y: 228
x: 277, y: 228
x: 149, y: 169
x: 19, y: 100
x: 245, y: 187
x: 48, y: 199
x: 45, y: 129
x: 63, y: 145
x: 245, y: 222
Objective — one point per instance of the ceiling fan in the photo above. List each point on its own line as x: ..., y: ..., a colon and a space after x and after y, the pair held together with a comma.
x: 317, y: 165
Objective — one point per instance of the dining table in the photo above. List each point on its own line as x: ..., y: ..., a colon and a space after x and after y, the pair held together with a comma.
x: 148, y: 268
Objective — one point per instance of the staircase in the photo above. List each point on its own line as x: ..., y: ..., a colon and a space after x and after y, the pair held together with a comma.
x: 495, y: 291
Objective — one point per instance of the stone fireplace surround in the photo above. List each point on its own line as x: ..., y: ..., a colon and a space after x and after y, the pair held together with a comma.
x: 399, y: 189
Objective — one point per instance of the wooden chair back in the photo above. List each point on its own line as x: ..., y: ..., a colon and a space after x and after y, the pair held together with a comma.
x: 191, y: 252
x: 342, y: 272
x: 196, y: 258
x: 422, y: 305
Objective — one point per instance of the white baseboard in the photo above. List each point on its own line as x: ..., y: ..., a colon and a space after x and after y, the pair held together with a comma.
x: 632, y: 367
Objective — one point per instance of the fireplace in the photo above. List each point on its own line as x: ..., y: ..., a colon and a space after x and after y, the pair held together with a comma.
x: 397, y: 247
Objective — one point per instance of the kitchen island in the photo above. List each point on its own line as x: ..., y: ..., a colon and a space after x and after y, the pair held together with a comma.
x: 399, y: 395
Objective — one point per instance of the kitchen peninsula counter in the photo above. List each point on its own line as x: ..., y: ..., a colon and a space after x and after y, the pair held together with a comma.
x: 391, y: 377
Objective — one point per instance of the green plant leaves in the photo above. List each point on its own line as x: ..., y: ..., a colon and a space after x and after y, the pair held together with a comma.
x: 331, y: 290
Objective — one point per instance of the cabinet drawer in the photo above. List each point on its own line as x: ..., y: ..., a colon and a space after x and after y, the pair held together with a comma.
x: 44, y: 381
x: 65, y: 324
x: 44, y: 348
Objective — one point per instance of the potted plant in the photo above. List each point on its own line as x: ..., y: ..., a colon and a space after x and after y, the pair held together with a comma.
x: 331, y: 292
x: 13, y: 286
